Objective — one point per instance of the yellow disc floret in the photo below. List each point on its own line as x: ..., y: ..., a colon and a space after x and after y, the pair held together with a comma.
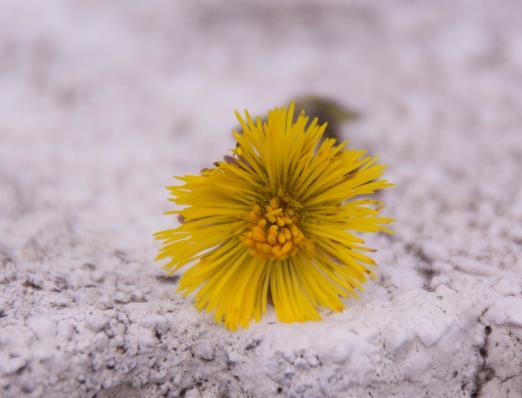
x: 274, y: 233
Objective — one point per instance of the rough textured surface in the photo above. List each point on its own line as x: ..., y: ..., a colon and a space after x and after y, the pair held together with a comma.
x: 102, y: 102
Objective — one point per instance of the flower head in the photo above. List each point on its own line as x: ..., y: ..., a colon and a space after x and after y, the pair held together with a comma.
x: 276, y: 219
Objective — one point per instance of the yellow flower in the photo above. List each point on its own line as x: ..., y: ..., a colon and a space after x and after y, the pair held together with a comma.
x: 277, y: 219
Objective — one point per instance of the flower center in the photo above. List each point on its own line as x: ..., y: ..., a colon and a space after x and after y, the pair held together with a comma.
x: 274, y: 233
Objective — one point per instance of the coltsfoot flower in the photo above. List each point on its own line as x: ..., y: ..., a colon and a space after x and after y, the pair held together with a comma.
x: 277, y: 219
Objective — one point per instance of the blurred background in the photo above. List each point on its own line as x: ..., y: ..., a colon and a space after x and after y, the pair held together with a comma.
x: 102, y: 102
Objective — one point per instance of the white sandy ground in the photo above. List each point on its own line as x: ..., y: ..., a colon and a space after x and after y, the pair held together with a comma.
x: 101, y: 103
